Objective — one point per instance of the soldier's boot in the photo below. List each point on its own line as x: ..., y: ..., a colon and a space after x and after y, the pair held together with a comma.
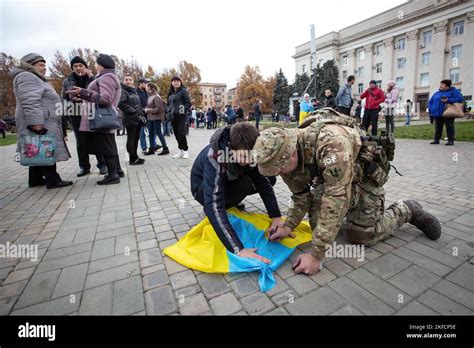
x: 426, y: 222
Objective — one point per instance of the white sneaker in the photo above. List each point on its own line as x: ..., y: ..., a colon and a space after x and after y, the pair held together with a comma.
x: 185, y: 154
x: 179, y: 154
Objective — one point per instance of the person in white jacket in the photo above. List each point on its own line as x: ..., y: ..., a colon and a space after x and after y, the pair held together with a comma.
x: 391, y: 101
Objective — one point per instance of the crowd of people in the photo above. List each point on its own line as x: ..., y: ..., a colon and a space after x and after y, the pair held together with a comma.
x: 144, y: 116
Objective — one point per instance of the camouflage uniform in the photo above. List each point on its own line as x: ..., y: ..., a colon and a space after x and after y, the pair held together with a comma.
x: 331, y: 180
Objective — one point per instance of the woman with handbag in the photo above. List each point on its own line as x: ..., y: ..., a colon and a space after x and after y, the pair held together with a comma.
x: 443, y: 107
x: 36, y: 115
x: 133, y: 118
x: 179, y: 103
x: 103, y: 95
x: 155, y: 111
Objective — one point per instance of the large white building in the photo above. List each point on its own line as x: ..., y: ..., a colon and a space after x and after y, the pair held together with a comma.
x: 417, y: 44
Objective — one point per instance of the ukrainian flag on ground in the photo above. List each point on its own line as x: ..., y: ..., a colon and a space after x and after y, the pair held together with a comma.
x: 202, y: 250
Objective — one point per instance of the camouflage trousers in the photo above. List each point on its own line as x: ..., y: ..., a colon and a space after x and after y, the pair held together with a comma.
x: 367, y: 220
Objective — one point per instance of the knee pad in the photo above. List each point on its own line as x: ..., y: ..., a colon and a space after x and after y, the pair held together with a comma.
x: 359, y: 234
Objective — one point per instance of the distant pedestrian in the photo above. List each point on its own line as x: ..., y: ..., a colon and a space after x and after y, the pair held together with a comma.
x: 358, y: 111
x: 330, y: 101
x: 305, y: 108
x: 180, y: 103
x: 141, y: 91
x: 257, y: 112
x: 373, y: 96
x: 344, y: 99
x: 437, y: 105
x: 408, y: 107
x: 391, y: 101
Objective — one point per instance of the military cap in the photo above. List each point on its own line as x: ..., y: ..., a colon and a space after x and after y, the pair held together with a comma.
x: 274, y: 148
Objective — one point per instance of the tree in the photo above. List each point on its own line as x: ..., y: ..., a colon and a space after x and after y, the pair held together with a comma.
x: 328, y: 78
x: 150, y: 74
x: 300, y: 84
x: 191, y: 76
x: 7, y: 97
x: 281, y: 93
x: 163, y: 81
x: 251, y: 86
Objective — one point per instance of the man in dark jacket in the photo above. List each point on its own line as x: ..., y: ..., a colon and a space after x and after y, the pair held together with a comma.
x: 257, y: 111
x: 132, y: 110
x: 240, y: 114
x: 223, y: 175
x: 141, y: 91
x: 80, y: 77
x: 330, y: 101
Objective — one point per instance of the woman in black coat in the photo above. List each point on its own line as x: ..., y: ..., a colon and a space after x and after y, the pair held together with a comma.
x: 180, y: 103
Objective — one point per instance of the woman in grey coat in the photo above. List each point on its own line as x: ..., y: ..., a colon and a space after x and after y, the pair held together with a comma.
x: 38, y: 108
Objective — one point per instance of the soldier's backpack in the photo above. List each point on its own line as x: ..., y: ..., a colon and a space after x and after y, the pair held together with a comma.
x: 376, y: 151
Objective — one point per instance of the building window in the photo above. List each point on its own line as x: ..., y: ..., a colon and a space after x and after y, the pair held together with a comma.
x: 427, y: 37
x: 304, y: 68
x: 205, y: 103
x: 378, y: 83
x: 379, y: 68
x: 454, y: 75
x: 360, y: 71
x: 456, y: 52
x: 361, y: 54
x: 344, y: 60
x: 379, y: 50
x: 400, y: 82
x: 458, y: 28
x: 426, y: 58
x: 360, y: 88
x: 210, y: 89
x: 425, y: 79
x: 344, y: 75
x: 401, y: 44
x: 401, y: 62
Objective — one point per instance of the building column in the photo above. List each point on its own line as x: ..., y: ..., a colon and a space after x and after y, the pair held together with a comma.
x: 388, y: 60
x: 467, y: 72
x: 369, y: 73
x: 438, y: 57
x: 412, y: 78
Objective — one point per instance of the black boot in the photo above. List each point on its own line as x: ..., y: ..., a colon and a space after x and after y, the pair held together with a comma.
x: 121, y: 173
x: 83, y: 172
x: 103, y: 170
x: 423, y: 220
x: 151, y: 151
x: 109, y: 180
x: 62, y: 183
x: 165, y: 151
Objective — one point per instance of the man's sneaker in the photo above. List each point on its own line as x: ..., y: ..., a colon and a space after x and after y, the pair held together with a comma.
x: 109, y: 180
x: 185, y: 154
x: 423, y: 220
x: 150, y: 151
x: 436, y: 142
x: 179, y: 154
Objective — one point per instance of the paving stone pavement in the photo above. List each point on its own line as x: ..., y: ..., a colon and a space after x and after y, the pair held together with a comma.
x: 100, y: 248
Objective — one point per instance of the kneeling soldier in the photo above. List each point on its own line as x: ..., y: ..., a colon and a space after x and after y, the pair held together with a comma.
x: 334, y: 171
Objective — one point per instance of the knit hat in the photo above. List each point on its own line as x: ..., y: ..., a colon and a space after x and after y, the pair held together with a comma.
x: 106, y: 61
x: 32, y: 58
x: 373, y: 82
x: 78, y: 59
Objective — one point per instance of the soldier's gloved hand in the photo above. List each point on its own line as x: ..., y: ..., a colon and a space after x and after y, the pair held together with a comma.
x: 251, y: 254
x: 281, y: 232
x: 307, y: 263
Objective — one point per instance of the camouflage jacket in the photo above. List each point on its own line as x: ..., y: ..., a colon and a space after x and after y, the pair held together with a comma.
x: 327, y: 157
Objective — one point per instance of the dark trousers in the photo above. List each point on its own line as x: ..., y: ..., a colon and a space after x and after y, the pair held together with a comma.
x: 343, y: 110
x: 155, y: 129
x: 235, y: 191
x: 133, y: 135
x: 179, y: 130
x: 371, y: 117
x: 81, y: 138
x: 439, y: 122
x: 389, y: 120
x: 43, y: 174
x: 257, y: 121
